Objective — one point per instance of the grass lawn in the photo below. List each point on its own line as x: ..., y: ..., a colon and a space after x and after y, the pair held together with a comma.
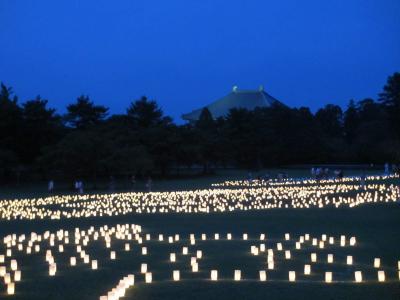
x: 376, y: 228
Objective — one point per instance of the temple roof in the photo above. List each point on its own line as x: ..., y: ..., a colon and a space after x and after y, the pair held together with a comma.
x: 248, y: 99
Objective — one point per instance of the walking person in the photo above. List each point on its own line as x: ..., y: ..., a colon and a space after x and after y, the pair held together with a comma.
x: 50, y: 186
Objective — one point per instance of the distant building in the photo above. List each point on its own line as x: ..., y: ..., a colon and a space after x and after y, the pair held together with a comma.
x: 248, y: 99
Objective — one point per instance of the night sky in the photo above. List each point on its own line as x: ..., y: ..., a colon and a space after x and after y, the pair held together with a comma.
x: 185, y: 54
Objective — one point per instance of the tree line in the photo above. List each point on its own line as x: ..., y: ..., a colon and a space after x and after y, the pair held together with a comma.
x: 87, y: 142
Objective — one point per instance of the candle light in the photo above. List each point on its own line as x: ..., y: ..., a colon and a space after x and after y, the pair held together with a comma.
x: 237, y: 275
x: 176, y: 275
x: 214, y: 275
x: 349, y: 260
x: 358, y: 276
x: 11, y: 288
x: 292, y: 276
x: 72, y: 261
x: 313, y: 257
x: 195, y: 267
x: 381, y: 276
x: 263, y: 275
x: 377, y: 262
x: 143, y: 268
x: 307, y: 269
x: 330, y: 258
x: 148, y: 277
x: 172, y: 257
x: 328, y: 277
x: 14, y: 265
x: 94, y: 264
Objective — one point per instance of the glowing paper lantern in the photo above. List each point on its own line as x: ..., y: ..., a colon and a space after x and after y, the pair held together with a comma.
x: 292, y: 276
x: 229, y: 236
x: 331, y: 240
x: 172, y: 257
x: 160, y: 237
x: 323, y: 237
x: 127, y: 247
x: 195, y: 267
x: 381, y: 276
x: 72, y: 261
x: 314, y: 242
x: 313, y: 257
x: 144, y: 250
x: 377, y: 262
x: 7, y: 278
x: 185, y: 250
x: 94, y: 264
x: 199, y: 254
x: 214, y: 275
x: 2, y: 258
x: 245, y: 236
x: 279, y: 246
x: 203, y: 236
x: 330, y: 258
x: 112, y: 255
x: 216, y: 236
x: 298, y: 245
x: 143, y: 268
x: 307, y: 236
x: 14, y: 265
x: 263, y: 275
x: 17, y: 275
x: 287, y: 254
x: 287, y: 236
x: 349, y: 260
x: 262, y: 236
x: 52, y: 269
x: 148, y: 277
x: 307, y: 269
x: 352, y: 241
x: 358, y: 276
x: 176, y: 275
x: 321, y: 244
x: 11, y: 288
x: 237, y: 275
x: 2, y: 271
x: 270, y: 265
x: 328, y: 277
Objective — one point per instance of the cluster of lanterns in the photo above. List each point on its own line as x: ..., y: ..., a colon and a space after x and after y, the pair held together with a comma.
x: 51, y: 245
x: 347, y: 192
x: 299, y: 181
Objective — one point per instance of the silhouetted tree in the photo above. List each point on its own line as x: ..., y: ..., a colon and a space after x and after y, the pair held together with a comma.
x: 84, y: 113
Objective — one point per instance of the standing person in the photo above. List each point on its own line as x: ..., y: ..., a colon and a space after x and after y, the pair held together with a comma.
x: 386, y: 169
x: 149, y: 184
x: 80, y: 186
x: 76, y: 185
x: 50, y: 186
x: 362, y: 181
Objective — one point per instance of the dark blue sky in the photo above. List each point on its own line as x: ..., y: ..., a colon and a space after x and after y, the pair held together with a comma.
x: 185, y: 54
